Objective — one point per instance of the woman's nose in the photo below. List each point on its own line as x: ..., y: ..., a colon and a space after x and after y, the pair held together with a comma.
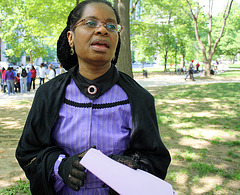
x: 101, y: 30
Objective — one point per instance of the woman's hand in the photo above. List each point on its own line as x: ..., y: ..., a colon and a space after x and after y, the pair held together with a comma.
x: 72, y: 172
x: 126, y: 160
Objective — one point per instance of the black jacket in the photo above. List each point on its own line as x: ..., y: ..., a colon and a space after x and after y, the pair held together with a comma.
x: 36, y: 153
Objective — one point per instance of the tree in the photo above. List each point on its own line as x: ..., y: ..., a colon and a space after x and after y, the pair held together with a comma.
x: 124, y: 61
x: 30, y: 25
x: 159, y: 26
x: 230, y: 41
x: 210, y: 49
x: 152, y: 32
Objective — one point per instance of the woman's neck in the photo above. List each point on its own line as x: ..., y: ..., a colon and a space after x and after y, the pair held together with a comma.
x: 92, y: 72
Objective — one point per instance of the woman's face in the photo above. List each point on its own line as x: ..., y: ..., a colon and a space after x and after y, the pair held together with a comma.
x: 95, y: 46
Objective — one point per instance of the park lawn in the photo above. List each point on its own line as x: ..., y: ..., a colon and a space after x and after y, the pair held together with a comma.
x: 230, y: 74
x: 236, y: 65
x: 199, y: 124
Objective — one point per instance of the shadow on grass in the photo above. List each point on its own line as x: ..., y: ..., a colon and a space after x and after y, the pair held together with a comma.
x: 200, y: 126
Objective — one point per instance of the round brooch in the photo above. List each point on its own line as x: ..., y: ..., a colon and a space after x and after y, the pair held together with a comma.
x: 92, y: 89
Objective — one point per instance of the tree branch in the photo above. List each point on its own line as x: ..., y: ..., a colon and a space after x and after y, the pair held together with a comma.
x: 210, y: 26
x: 223, y: 26
x: 134, y: 6
x: 196, y: 31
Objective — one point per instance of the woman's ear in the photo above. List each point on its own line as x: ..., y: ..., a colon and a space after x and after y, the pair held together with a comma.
x: 70, y: 36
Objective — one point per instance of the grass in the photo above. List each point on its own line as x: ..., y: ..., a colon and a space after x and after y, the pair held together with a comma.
x: 230, y: 74
x: 199, y: 124
x: 22, y: 187
x: 237, y: 65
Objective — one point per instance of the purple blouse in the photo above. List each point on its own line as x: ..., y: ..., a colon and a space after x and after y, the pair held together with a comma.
x: 105, y: 122
x: 9, y: 75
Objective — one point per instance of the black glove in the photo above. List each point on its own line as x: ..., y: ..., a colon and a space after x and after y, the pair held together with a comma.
x: 126, y: 160
x: 72, y: 172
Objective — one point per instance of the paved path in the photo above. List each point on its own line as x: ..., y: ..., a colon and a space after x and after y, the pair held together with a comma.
x: 167, y: 80
x: 152, y: 81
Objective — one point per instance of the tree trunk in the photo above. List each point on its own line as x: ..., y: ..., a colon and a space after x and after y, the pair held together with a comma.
x: 124, y: 60
x: 77, y: 2
x: 31, y: 58
x: 165, y: 59
x: 182, y: 57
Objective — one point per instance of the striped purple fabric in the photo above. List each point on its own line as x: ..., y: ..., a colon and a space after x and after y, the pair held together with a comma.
x: 105, y: 122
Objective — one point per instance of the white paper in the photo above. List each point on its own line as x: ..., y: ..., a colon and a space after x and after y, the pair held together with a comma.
x: 123, y: 179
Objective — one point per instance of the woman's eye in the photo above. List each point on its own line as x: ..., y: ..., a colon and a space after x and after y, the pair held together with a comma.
x: 91, y: 23
x: 112, y: 27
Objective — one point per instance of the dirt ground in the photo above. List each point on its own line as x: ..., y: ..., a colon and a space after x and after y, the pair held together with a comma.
x: 13, y: 113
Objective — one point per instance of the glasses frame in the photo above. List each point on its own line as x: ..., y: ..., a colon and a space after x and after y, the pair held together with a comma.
x: 99, y: 24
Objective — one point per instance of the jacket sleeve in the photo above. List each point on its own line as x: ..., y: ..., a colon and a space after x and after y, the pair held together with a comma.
x: 145, y: 146
x: 35, y: 152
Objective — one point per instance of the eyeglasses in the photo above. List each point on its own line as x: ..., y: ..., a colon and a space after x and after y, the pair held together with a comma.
x: 95, y: 23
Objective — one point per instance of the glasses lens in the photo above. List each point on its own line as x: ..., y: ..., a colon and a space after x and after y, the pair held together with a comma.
x: 111, y: 27
x: 91, y: 23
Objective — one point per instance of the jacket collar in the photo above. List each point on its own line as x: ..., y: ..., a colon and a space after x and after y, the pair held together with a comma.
x: 94, y: 88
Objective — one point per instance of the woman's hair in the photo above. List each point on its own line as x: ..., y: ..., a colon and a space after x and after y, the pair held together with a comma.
x: 63, y: 49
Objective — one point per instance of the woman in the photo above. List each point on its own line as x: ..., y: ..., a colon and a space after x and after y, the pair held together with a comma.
x: 51, y: 73
x: 9, y: 79
x: 61, y: 69
x: 42, y: 74
x: 33, y: 77
x: 91, y: 104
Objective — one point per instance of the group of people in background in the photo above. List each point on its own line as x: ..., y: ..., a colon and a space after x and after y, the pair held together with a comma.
x: 23, y: 79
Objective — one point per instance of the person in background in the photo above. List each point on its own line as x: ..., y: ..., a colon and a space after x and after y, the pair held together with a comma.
x: 197, y: 66
x: 33, y: 77
x: 61, y: 69
x: 42, y: 73
x: 51, y: 73
x: 3, y: 83
x: 14, y: 72
x: 28, y: 81
x: 93, y: 104
x: 23, y: 78
x: 190, y: 71
x: 9, y: 79
x: 17, y: 83
x: 216, y: 66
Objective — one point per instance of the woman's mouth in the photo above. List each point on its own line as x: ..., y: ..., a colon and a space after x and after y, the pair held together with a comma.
x: 100, y: 45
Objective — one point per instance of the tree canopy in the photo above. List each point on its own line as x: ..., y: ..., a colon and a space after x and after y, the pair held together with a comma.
x: 33, y: 26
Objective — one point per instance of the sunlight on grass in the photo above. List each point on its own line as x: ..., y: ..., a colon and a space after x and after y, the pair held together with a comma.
x: 206, y: 183
x: 194, y: 143
x: 208, y: 133
x: 230, y: 74
x: 202, y: 131
x: 9, y: 123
